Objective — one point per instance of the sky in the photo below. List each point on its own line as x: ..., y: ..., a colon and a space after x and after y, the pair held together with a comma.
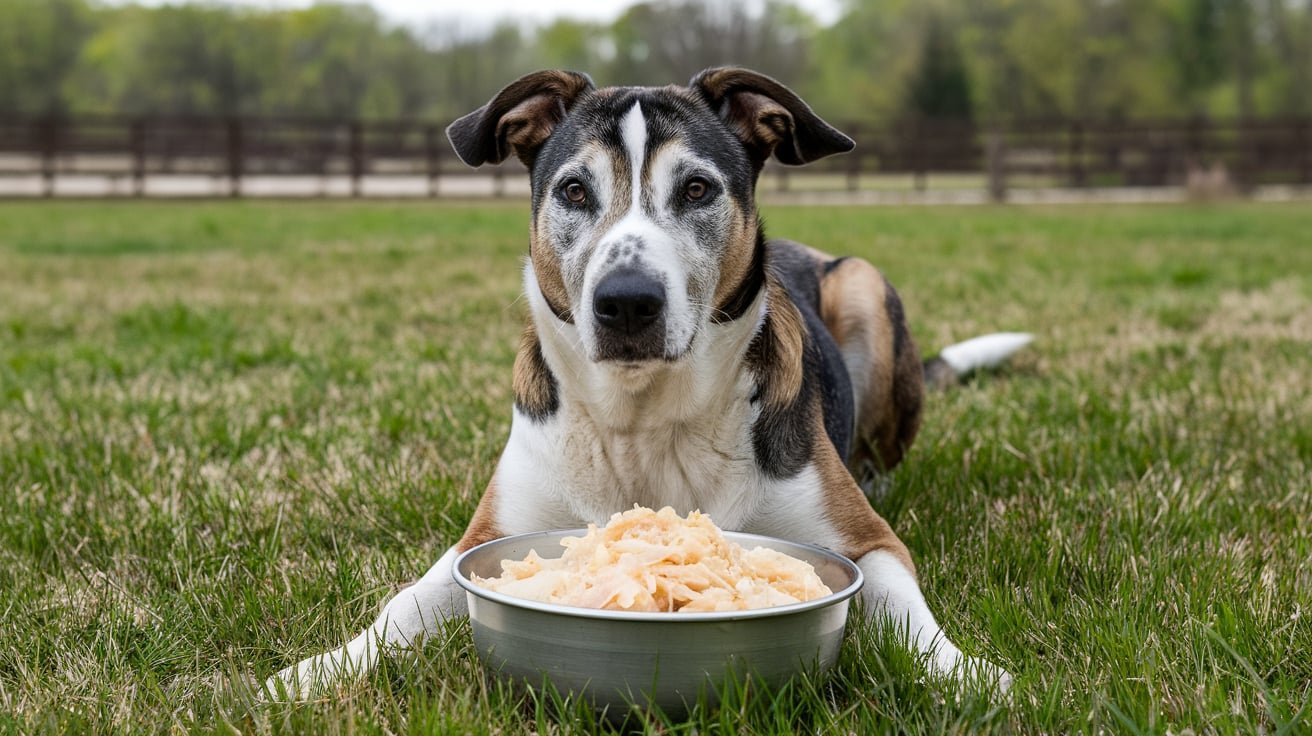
x: 483, y: 13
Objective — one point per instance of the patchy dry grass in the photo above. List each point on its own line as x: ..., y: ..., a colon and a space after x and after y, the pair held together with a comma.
x: 229, y: 430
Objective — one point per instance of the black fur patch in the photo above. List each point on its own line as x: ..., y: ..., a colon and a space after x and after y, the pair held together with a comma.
x: 781, y: 435
x: 908, y: 388
x: 796, y: 269
x: 831, y: 265
x: 893, y: 307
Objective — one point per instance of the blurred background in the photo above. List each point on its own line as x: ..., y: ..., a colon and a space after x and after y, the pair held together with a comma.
x: 1209, y: 96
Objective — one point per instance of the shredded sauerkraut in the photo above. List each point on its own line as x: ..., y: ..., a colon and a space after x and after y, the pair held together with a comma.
x: 645, y: 560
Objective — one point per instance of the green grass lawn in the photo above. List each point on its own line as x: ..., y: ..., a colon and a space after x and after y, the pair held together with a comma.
x: 228, y: 431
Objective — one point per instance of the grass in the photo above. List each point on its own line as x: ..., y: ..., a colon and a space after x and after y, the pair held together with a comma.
x: 229, y: 430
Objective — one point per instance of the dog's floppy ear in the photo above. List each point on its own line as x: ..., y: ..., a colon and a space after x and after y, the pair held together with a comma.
x: 768, y: 117
x: 520, y: 118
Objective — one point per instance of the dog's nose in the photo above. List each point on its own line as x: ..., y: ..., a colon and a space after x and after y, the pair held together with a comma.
x: 628, y: 301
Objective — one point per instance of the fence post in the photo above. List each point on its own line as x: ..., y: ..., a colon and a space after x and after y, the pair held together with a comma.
x: 919, y: 175
x: 138, y: 142
x: 432, y: 155
x: 235, y: 156
x: 1246, y: 168
x: 356, y: 148
x: 1303, y: 140
x: 1196, y: 155
x: 1076, y: 154
x: 854, y: 164
x: 48, y: 135
x: 996, y: 150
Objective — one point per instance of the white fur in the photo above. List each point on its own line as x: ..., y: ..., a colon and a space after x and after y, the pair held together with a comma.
x: 633, y: 131
x: 985, y: 351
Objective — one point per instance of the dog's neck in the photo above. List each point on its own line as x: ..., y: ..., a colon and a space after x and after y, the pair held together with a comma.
x: 705, y: 383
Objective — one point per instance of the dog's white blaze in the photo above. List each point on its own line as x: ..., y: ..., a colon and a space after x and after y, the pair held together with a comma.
x: 633, y: 131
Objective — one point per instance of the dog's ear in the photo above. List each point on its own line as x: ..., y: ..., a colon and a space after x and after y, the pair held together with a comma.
x: 768, y: 117
x: 519, y: 119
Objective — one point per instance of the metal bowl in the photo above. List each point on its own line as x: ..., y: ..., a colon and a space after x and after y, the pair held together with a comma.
x: 617, y: 659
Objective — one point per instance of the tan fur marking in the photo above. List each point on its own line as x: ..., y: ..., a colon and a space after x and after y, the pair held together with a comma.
x: 483, y: 526
x: 546, y: 268
x: 737, y: 260
x: 621, y: 178
x: 862, y: 529
x: 820, y: 256
x: 621, y: 182
x: 788, y: 335
x: 528, y: 124
x: 760, y: 122
x: 532, y: 382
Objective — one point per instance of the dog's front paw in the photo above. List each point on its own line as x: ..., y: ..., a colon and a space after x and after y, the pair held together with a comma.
x: 981, y: 672
x: 975, y: 672
x: 299, y: 682
x: 287, y: 685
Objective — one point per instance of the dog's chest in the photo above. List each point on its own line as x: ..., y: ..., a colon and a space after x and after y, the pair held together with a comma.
x: 575, y: 469
x: 706, y: 464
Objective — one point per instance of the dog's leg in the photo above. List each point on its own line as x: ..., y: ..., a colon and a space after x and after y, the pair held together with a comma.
x: 893, y: 599
x: 415, y: 612
x: 891, y: 593
x: 864, y: 316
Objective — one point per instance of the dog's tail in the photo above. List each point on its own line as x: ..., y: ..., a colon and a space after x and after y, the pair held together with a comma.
x: 956, y: 362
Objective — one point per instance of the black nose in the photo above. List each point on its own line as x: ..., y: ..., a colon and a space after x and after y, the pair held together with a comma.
x: 628, y: 301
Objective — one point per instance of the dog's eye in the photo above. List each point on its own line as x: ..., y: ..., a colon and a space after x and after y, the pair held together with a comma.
x: 696, y: 189
x: 575, y: 192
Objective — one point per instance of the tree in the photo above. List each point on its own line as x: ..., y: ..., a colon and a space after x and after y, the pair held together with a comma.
x: 980, y: 59
x: 661, y: 43
x: 40, y: 42
x: 939, y: 88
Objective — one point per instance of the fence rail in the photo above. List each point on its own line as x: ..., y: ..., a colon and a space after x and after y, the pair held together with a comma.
x: 227, y: 154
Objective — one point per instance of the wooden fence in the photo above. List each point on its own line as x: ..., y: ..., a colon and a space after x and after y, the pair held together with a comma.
x: 230, y: 152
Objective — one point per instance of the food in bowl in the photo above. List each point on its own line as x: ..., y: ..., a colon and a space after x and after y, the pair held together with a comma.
x: 658, y: 561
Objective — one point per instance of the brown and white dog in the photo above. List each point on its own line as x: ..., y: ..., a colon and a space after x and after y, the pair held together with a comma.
x: 674, y: 356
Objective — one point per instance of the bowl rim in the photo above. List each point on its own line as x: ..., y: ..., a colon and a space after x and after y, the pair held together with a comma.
x: 838, y: 596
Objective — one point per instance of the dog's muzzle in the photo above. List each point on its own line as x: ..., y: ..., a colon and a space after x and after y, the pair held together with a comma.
x: 629, y: 308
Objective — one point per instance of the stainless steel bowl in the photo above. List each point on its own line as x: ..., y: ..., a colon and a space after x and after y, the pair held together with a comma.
x: 670, y: 660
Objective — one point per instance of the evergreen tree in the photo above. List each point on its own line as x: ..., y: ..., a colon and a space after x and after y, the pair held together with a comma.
x: 939, y: 87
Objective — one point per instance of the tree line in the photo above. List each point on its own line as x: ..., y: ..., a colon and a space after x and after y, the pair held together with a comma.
x: 881, y: 60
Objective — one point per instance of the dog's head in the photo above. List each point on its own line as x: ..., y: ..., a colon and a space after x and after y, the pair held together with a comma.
x: 644, y: 222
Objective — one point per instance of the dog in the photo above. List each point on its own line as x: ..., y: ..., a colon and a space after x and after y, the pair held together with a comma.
x: 674, y: 356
